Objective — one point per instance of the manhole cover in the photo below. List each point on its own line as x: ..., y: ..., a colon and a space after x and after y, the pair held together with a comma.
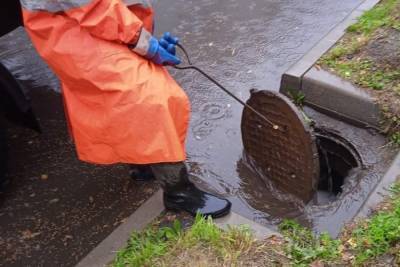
x: 288, y: 156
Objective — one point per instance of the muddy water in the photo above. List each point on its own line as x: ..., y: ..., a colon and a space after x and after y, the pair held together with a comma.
x: 244, y: 44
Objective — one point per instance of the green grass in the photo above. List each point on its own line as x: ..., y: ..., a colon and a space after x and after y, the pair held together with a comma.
x: 303, y: 247
x: 375, y: 18
x: 160, y: 246
x: 380, y: 233
x: 344, y: 57
x: 395, y: 138
x: 370, y: 239
x: 204, y: 244
x: 143, y: 247
x: 363, y: 73
x: 297, y: 97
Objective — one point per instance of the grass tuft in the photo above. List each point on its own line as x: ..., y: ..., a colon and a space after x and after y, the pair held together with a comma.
x: 303, y: 247
x: 380, y: 233
x: 145, y: 246
x: 374, y: 18
x: 204, y: 243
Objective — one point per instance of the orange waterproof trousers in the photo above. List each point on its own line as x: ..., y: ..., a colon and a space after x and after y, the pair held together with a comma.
x: 120, y: 107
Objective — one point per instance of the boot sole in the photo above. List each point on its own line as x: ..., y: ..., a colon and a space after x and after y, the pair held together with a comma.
x: 222, y: 213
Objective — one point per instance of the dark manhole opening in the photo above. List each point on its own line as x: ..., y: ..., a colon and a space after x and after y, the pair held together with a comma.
x: 337, y: 158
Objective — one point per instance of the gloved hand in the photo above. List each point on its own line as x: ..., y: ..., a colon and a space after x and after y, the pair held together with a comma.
x: 169, y: 42
x: 160, y: 52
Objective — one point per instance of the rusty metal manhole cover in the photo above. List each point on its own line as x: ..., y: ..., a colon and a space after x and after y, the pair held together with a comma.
x: 288, y: 156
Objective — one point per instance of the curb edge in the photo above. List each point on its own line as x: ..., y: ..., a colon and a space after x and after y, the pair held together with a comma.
x: 295, y: 78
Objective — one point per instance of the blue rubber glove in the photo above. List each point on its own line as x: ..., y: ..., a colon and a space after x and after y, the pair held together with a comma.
x: 150, y: 48
x: 169, y: 42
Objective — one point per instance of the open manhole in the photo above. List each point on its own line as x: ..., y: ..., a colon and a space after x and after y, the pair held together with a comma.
x: 299, y: 160
x: 337, y: 158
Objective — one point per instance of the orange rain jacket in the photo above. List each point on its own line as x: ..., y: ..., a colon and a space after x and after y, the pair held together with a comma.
x: 120, y: 107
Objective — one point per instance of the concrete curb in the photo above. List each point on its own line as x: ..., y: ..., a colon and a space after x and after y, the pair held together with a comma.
x: 105, y: 252
x: 382, y: 188
x: 340, y: 98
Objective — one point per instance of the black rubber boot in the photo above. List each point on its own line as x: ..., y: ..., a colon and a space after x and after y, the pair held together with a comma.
x: 187, y: 197
x: 141, y: 173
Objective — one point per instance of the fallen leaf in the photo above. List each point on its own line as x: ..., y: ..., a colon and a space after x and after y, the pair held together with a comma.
x: 148, y: 190
x: 171, y: 217
x: 54, y: 200
x: 351, y: 242
x: 275, y: 240
x: 27, y: 234
x: 347, y: 256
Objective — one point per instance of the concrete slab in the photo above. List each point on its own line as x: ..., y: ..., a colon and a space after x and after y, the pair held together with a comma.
x: 234, y: 219
x: 105, y: 252
x: 294, y: 78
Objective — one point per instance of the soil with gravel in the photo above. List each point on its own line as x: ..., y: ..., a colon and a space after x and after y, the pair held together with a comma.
x: 384, y: 49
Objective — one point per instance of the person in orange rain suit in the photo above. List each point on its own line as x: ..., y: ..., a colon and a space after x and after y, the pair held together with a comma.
x: 122, y: 106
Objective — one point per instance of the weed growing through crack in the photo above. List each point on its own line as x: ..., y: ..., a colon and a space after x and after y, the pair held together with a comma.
x: 297, y: 97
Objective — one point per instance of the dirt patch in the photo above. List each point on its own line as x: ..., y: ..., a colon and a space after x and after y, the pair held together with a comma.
x: 258, y: 253
x: 384, y: 49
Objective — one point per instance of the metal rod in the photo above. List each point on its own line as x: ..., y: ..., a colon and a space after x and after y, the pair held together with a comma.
x: 192, y: 67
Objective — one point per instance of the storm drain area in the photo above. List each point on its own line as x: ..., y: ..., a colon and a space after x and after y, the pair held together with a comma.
x: 301, y: 160
x: 319, y: 171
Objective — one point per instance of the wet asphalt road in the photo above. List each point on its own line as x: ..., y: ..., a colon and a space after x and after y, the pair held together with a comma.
x: 59, y: 208
x: 243, y: 45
